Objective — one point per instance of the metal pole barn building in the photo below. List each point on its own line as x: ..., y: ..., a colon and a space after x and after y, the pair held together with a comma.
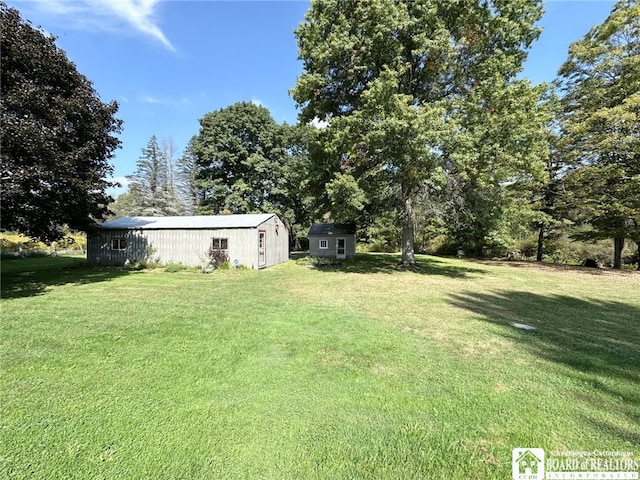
x: 252, y: 240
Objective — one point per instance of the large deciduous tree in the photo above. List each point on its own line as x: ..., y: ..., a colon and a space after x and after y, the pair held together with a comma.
x: 601, y: 126
x: 239, y: 152
x: 293, y: 197
x: 57, y: 136
x: 247, y: 163
x: 391, y: 78
x: 498, y: 150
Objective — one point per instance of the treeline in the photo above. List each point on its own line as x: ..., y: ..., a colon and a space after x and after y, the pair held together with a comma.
x: 430, y: 142
x: 425, y: 136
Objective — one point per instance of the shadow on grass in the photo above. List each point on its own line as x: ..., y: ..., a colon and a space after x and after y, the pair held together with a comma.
x: 559, y: 267
x: 390, y: 263
x: 26, y: 277
x: 597, y: 340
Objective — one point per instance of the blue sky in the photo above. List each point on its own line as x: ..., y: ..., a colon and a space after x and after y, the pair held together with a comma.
x: 167, y: 63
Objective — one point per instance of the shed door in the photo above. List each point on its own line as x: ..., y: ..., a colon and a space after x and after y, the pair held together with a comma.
x: 262, y: 248
x: 341, y: 248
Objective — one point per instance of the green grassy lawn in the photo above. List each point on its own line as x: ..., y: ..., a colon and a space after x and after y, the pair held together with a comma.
x: 364, y: 371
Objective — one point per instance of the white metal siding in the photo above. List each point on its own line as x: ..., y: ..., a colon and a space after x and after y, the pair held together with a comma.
x: 189, y: 246
x: 277, y: 241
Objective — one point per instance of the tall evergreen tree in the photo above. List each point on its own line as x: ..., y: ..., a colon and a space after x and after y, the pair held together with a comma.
x: 187, y: 177
x: 601, y: 126
x: 546, y: 194
x: 172, y: 203
x: 152, y: 185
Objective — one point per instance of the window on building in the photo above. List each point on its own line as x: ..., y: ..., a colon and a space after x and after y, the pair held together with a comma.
x: 324, y: 244
x: 118, y: 244
x: 220, y: 244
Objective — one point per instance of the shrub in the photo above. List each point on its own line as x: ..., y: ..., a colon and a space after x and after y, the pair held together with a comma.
x: 215, y: 258
x: 140, y: 264
x: 14, y: 243
x: 562, y: 249
x: 601, y: 251
x: 72, y: 242
x: 440, y: 245
x: 527, y: 248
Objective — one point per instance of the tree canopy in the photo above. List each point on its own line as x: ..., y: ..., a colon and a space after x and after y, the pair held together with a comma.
x: 391, y: 77
x: 600, y: 82
x: 247, y: 163
x: 427, y: 132
x: 238, y: 153
x: 57, y: 136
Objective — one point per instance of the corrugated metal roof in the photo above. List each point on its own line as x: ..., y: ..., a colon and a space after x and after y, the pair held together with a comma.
x: 332, y: 229
x: 197, y: 221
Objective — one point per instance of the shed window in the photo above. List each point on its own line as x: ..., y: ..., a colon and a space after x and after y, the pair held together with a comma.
x: 220, y: 244
x: 324, y: 244
x: 118, y: 244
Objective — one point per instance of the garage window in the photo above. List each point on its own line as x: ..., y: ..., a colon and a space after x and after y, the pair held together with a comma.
x: 221, y: 244
x: 118, y: 244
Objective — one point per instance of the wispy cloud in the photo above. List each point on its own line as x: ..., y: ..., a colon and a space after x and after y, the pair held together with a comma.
x: 140, y: 14
x: 182, y: 102
x: 109, y: 15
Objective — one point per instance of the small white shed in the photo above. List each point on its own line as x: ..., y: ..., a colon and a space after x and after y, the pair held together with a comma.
x: 253, y: 240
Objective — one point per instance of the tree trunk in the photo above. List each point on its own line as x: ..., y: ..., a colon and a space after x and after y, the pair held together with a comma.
x: 618, y: 245
x: 540, y: 242
x: 408, y: 234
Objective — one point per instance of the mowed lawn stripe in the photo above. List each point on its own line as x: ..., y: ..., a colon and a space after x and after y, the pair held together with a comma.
x: 361, y: 371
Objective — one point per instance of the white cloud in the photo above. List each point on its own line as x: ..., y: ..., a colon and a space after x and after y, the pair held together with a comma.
x: 257, y: 101
x: 138, y: 13
x: 108, y: 15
